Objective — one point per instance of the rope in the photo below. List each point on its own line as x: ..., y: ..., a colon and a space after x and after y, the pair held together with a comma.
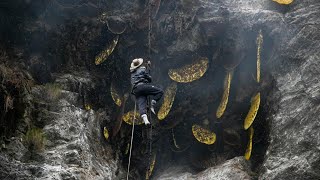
x: 149, y: 101
x: 150, y: 139
x: 150, y: 136
x: 134, y: 117
x: 149, y: 30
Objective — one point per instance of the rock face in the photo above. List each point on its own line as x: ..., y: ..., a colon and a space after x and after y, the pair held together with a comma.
x: 75, y: 146
x: 181, y: 30
x: 236, y: 168
x: 293, y: 119
x: 294, y: 147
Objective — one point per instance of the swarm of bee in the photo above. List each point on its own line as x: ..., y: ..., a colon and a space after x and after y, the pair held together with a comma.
x: 201, y: 133
x: 187, y: 74
x: 169, y: 96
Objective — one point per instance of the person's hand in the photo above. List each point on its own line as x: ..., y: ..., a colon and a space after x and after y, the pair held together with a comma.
x: 149, y: 63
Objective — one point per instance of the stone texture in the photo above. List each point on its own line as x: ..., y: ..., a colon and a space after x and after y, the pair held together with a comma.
x: 233, y: 169
x: 294, y: 102
x: 294, y: 147
x: 74, y: 147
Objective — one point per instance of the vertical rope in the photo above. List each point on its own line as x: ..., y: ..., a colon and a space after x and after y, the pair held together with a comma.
x: 149, y: 136
x: 150, y: 132
x: 149, y: 99
x: 149, y: 102
x: 149, y: 33
x: 134, y: 117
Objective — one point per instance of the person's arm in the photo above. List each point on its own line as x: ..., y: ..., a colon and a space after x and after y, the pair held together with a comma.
x: 148, y: 77
x: 147, y: 73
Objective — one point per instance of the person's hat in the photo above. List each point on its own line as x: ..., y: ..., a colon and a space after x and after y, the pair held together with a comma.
x: 136, y: 63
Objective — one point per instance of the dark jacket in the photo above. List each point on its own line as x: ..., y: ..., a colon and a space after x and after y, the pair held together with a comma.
x: 140, y: 75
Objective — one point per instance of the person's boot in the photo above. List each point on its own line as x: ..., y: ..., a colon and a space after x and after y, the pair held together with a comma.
x: 145, y: 119
x: 153, y: 103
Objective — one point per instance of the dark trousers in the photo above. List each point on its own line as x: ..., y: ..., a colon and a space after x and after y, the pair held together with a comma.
x: 142, y: 92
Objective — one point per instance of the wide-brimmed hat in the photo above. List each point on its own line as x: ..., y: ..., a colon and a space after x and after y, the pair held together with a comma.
x: 136, y: 63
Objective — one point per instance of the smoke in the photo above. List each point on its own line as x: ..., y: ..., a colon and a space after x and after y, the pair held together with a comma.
x: 68, y: 33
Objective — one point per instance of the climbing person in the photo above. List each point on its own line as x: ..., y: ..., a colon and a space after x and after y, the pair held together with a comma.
x: 141, y: 87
